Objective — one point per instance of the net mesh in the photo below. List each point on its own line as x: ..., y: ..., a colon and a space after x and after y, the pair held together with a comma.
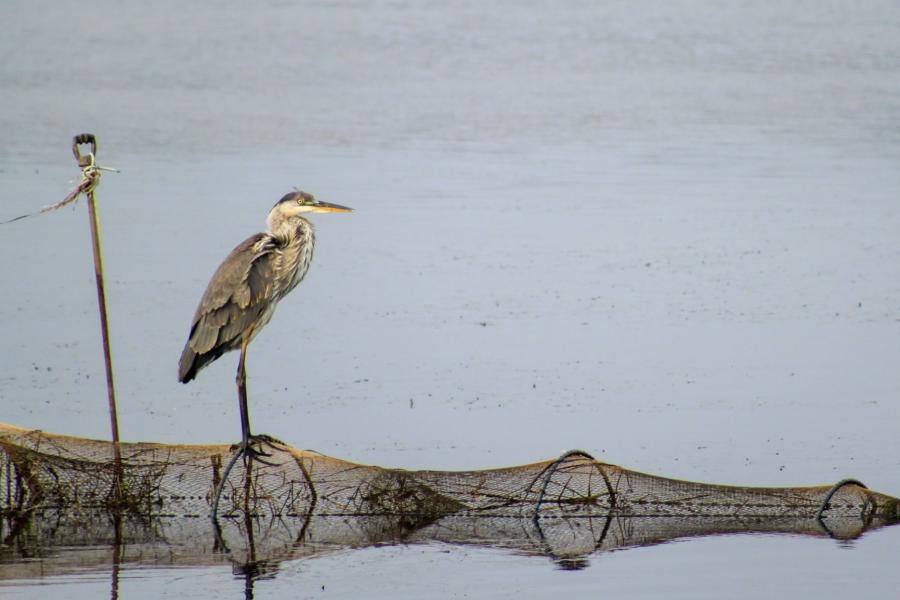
x: 46, y: 470
x: 307, y: 503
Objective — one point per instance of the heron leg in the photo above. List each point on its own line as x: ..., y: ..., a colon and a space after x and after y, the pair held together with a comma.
x: 248, y: 439
x: 241, y: 381
x: 245, y: 448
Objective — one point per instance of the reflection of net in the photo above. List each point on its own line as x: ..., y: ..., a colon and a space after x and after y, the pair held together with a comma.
x: 56, y: 493
x: 43, y: 470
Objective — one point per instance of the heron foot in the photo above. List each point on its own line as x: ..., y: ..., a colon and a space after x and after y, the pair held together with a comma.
x: 268, y: 440
x: 252, y: 448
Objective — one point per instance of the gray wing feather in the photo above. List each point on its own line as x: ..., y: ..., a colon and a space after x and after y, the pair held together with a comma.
x: 238, y: 294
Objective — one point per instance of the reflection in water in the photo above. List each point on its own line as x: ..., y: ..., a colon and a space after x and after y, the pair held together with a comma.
x: 248, y: 572
x: 118, y: 548
x: 251, y: 568
x: 256, y: 546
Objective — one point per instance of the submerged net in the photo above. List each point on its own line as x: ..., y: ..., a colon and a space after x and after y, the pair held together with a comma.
x: 304, y: 502
x: 40, y: 470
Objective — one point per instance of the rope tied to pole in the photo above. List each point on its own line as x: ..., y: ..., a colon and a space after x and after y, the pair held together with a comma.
x: 90, y: 177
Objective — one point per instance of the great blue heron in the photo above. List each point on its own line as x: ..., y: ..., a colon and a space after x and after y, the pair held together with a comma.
x: 242, y: 294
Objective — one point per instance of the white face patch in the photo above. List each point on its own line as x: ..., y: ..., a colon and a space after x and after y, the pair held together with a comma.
x: 291, y: 209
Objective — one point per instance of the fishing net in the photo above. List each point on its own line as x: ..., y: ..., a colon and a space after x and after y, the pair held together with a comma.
x: 307, y: 502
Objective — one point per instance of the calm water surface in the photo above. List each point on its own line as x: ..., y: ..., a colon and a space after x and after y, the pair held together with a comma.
x: 665, y: 232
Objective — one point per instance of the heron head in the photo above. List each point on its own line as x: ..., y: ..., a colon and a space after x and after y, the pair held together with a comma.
x: 297, y: 202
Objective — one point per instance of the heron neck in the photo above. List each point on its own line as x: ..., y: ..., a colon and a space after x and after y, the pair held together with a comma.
x: 288, y: 231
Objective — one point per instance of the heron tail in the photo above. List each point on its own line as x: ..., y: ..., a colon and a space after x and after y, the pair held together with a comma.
x: 188, y: 365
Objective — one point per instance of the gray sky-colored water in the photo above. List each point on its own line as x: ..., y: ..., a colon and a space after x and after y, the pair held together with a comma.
x: 664, y: 232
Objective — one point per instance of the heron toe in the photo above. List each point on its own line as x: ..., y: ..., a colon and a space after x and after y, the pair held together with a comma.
x: 251, y: 449
x: 268, y: 440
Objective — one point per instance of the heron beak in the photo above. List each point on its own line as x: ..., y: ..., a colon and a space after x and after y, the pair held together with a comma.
x: 321, y: 207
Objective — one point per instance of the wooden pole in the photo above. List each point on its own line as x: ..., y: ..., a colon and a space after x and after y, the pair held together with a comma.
x: 91, y: 173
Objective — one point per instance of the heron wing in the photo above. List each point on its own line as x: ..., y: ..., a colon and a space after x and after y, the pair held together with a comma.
x: 238, y: 295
